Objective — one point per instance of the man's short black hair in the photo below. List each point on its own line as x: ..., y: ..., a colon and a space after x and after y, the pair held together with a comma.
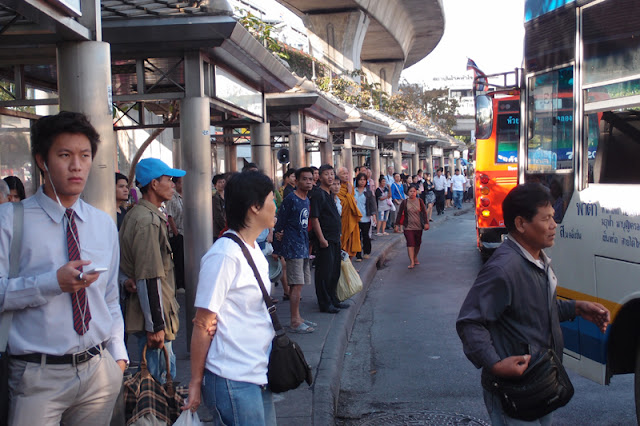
x: 243, y: 191
x: 524, y: 200
x: 120, y: 176
x: 302, y: 170
x: 314, y: 168
x: 250, y: 167
x: 218, y: 177
x: 440, y: 169
x: 175, y: 179
x: 46, y: 129
x: 289, y: 172
x: 325, y: 167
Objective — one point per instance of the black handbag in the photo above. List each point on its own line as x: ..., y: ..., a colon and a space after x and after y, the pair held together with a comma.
x: 544, y: 387
x: 287, y: 366
x: 5, y: 320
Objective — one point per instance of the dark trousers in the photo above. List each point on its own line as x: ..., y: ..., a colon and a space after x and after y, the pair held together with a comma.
x: 365, y: 238
x: 440, y: 201
x: 327, y: 275
x: 177, y: 247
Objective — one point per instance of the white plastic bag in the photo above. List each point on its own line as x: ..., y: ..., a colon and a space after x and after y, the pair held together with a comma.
x: 188, y: 418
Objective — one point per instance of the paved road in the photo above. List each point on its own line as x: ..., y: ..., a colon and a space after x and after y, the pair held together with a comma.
x: 405, y: 363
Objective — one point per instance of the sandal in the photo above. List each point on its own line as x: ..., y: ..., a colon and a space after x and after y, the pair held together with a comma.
x: 310, y: 323
x: 302, y: 329
x: 285, y: 296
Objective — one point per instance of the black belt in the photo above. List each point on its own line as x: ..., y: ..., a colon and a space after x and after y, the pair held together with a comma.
x: 74, y: 359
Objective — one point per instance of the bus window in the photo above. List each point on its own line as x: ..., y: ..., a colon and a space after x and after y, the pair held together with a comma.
x: 484, y: 116
x: 508, y: 132
x: 550, y: 133
x: 618, y: 152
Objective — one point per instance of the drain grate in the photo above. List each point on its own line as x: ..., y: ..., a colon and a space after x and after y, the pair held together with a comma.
x: 422, y: 418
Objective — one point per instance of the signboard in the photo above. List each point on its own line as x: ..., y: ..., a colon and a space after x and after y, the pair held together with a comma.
x: 232, y: 90
x: 408, y: 147
x: 315, y: 127
x: 436, y: 151
x: 365, y: 140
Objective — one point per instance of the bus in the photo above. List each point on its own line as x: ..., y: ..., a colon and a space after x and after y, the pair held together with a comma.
x: 496, y: 166
x: 580, y: 136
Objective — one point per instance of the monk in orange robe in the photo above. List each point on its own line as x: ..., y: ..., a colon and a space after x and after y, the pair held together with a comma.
x: 350, y: 238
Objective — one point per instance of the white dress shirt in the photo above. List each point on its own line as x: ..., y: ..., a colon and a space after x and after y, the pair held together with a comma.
x: 439, y: 182
x: 42, y: 313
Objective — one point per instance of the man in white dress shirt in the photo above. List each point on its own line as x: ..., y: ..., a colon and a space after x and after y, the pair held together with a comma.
x: 66, y: 347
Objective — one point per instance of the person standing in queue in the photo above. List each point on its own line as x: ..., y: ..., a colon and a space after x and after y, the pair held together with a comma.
x: 412, y: 214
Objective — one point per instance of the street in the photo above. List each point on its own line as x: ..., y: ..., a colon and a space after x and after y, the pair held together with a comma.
x: 404, y: 362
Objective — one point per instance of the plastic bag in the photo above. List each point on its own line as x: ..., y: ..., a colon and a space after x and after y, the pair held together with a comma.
x: 188, y: 418
x: 349, y: 282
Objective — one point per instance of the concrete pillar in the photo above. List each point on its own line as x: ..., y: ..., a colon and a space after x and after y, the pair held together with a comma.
x: 397, y: 157
x: 386, y: 73
x: 326, y: 150
x: 296, y: 141
x: 429, y: 165
x: 230, y: 151
x: 415, y: 161
x: 84, y: 85
x: 177, y: 149
x: 261, y: 147
x: 375, y: 163
x: 197, y: 211
x: 452, y: 162
x: 347, y: 152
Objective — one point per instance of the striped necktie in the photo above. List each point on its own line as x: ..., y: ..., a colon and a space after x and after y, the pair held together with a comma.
x: 79, y: 301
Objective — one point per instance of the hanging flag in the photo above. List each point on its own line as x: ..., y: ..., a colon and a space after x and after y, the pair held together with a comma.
x: 481, y: 83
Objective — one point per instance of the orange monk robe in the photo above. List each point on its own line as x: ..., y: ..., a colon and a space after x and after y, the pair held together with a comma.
x: 350, y: 238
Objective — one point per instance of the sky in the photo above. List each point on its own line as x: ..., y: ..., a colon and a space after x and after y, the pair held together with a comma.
x: 491, y: 32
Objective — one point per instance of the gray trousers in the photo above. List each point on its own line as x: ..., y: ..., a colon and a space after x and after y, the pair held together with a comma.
x: 49, y: 394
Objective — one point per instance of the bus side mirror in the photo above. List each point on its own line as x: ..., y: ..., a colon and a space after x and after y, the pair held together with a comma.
x: 484, y: 116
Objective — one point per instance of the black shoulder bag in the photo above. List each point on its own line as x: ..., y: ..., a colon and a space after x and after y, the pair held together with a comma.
x: 287, y: 366
x: 5, y: 319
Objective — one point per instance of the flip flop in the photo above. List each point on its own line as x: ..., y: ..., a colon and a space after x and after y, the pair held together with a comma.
x: 410, y: 267
x: 310, y: 323
x: 285, y: 297
x: 302, y: 329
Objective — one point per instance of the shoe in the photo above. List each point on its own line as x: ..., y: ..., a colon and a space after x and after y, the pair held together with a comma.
x: 430, y: 220
x: 366, y: 256
x: 358, y: 259
x: 343, y: 305
x: 380, y: 234
x: 310, y: 323
x: 384, y: 233
x: 285, y: 297
x: 330, y: 310
x: 302, y: 329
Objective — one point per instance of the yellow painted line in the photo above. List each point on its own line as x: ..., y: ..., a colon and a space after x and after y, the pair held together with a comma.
x: 613, y: 307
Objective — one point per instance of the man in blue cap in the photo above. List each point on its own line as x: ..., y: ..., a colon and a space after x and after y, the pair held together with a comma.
x: 147, y: 267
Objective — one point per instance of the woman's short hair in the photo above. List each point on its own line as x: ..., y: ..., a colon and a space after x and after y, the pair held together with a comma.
x: 524, y: 200
x: 46, y: 129
x: 360, y: 176
x: 382, y: 178
x: 14, y: 182
x: 120, y: 176
x: 243, y: 191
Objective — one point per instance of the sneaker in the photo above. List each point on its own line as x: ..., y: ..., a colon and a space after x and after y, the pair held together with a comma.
x: 358, y: 259
x: 366, y: 256
x: 379, y: 234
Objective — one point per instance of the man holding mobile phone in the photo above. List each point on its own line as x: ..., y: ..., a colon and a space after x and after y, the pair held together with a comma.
x: 66, y: 347
x: 147, y: 267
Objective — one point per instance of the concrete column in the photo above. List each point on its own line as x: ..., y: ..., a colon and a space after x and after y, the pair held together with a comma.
x: 177, y: 149
x: 452, y: 162
x: 195, y: 122
x: 397, y: 157
x: 429, y: 165
x: 230, y: 151
x: 415, y: 161
x: 296, y: 141
x: 375, y: 163
x: 84, y: 85
x: 261, y: 147
x: 347, y: 151
x: 326, y: 150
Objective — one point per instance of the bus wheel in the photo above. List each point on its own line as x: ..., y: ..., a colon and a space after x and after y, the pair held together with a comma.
x: 636, y: 382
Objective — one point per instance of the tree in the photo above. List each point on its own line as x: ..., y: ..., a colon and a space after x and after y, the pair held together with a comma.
x: 427, y: 106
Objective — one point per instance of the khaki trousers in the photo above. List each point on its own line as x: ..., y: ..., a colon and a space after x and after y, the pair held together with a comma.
x: 49, y: 394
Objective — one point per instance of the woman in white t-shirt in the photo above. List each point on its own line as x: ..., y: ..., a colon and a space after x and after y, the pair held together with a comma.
x: 230, y: 370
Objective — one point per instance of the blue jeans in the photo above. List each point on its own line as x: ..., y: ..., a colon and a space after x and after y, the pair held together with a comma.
x: 235, y: 403
x: 155, y: 359
x: 457, y: 199
x: 499, y: 418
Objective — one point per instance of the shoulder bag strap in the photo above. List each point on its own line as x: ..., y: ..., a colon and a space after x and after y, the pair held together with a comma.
x: 14, y: 265
x: 267, y: 299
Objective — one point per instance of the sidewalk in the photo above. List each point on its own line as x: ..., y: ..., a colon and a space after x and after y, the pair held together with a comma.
x: 324, y: 348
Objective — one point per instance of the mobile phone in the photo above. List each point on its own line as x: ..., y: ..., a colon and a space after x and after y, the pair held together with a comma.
x: 96, y: 271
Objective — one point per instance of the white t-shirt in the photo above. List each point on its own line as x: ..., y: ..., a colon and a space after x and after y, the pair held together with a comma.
x: 227, y: 286
x: 458, y: 182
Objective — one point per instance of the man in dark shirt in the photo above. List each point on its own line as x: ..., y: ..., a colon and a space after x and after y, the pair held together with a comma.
x: 327, y: 224
x: 289, y: 182
x: 291, y: 230
x: 511, y: 315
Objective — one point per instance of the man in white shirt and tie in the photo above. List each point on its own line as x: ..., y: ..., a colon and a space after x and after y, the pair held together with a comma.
x: 440, y: 184
x: 66, y: 347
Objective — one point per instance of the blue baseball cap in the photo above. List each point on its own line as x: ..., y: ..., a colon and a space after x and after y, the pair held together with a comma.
x: 152, y: 168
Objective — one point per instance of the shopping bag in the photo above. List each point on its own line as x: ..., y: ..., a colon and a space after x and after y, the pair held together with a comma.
x: 188, y: 418
x: 349, y: 282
